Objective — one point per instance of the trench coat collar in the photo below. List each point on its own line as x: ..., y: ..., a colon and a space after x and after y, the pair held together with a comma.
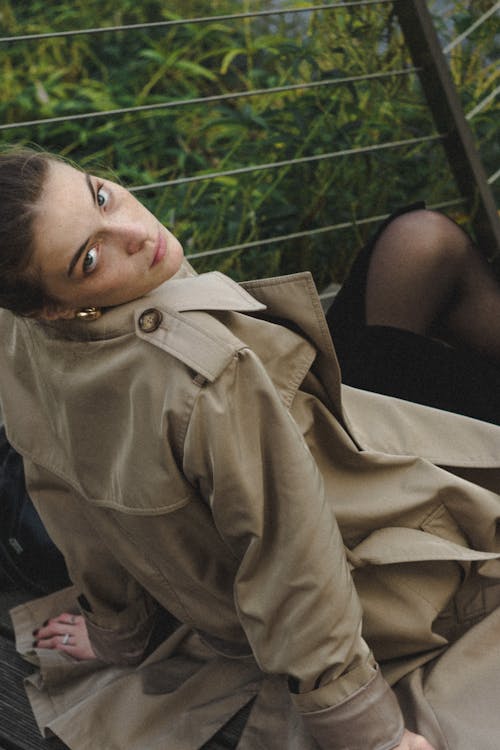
x: 207, y: 292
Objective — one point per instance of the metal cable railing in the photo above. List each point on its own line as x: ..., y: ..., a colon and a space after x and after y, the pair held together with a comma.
x: 257, y: 92
x: 286, y: 163
x: 285, y: 237
x: 493, y: 94
x: 207, y: 99
x: 184, y: 21
x: 232, y: 95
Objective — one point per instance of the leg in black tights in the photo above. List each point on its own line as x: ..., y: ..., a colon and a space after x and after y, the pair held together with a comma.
x: 426, y: 276
x: 419, y: 318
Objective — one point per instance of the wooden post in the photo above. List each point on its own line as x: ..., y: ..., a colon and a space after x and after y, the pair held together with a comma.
x: 439, y: 89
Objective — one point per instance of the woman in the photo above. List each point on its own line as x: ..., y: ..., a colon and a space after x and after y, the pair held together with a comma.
x: 419, y: 317
x: 185, y: 443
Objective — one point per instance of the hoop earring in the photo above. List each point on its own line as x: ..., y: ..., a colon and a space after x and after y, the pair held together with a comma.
x: 88, y: 314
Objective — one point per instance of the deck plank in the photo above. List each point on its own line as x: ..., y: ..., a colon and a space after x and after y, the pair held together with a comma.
x: 18, y: 729
x: 9, y: 598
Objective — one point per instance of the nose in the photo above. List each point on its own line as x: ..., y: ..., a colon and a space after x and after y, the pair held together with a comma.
x: 134, y: 236
x: 129, y: 234
x: 133, y: 245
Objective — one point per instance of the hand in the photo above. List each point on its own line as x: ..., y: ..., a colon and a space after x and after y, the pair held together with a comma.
x: 412, y: 741
x: 66, y: 633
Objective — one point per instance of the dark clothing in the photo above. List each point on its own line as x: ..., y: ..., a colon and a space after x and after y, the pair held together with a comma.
x: 28, y: 557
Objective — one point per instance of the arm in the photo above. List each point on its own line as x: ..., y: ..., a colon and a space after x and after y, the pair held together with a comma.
x: 118, y: 613
x: 293, y: 590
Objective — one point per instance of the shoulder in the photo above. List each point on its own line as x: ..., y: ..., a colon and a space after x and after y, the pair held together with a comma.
x: 178, y: 319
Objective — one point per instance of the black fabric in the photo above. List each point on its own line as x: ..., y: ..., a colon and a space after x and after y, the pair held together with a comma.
x: 28, y: 558
x: 404, y: 364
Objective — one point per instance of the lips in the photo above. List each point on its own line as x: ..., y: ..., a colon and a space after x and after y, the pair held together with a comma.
x: 160, y: 249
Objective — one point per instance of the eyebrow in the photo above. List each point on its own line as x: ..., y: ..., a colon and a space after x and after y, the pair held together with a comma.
x: 77, y: 255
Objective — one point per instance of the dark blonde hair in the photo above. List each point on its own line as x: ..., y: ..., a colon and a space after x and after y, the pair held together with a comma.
x: 22, y: 176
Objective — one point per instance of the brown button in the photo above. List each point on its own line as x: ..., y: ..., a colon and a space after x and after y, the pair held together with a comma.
x: 150, y: 320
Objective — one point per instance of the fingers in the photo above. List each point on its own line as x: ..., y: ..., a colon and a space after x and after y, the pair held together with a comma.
x: 61, y: 642
x: 58, y: 626
x: 411, y: 741
x: 58, y: 633
x: 67, y: 633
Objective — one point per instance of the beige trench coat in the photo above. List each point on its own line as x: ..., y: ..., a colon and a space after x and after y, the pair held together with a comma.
x: 189, y: 449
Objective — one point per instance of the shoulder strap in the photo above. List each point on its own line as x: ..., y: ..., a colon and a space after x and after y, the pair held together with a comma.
x: 195, y: 338
x: 176, y: 321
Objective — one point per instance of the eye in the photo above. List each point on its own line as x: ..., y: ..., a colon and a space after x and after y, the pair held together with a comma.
x: 90, y: 260
x: 102, y: 196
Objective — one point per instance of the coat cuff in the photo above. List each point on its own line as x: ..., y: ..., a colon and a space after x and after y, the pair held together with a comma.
x: 370, y: 719
x: 123, y: 644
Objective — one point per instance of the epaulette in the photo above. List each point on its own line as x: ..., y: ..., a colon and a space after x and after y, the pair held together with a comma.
x: 178, y: 324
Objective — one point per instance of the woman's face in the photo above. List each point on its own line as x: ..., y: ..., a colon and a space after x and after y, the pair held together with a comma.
x: 96, y: 245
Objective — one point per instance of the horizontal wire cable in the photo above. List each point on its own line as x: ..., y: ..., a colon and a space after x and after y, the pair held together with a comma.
x: 282, y: 238
x: 471, y: 28
x: 287, y: 162
x: 201, y: 19
x: 208, y: 99
x: 308, y: 232
x: 330, y: 294
x: 482, y: 104
x: 494, y: 177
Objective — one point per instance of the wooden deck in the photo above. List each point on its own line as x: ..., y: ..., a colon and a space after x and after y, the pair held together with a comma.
x: 18, y: 730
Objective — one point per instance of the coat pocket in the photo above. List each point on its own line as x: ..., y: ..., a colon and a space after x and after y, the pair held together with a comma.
x: 438, y: 538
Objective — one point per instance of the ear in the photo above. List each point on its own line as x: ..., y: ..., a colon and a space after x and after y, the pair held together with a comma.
x: 56, y: 312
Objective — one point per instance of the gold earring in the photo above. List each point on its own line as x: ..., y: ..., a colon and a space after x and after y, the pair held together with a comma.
x: 88, y: 314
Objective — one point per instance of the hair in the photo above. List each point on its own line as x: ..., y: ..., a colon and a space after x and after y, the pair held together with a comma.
x: 23, y: 173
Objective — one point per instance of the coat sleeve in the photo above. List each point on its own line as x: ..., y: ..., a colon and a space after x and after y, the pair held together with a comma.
x: 119, y: 613
x: 293, y: 589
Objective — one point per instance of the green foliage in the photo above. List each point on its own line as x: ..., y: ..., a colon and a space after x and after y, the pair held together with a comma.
x: 65, y: 76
